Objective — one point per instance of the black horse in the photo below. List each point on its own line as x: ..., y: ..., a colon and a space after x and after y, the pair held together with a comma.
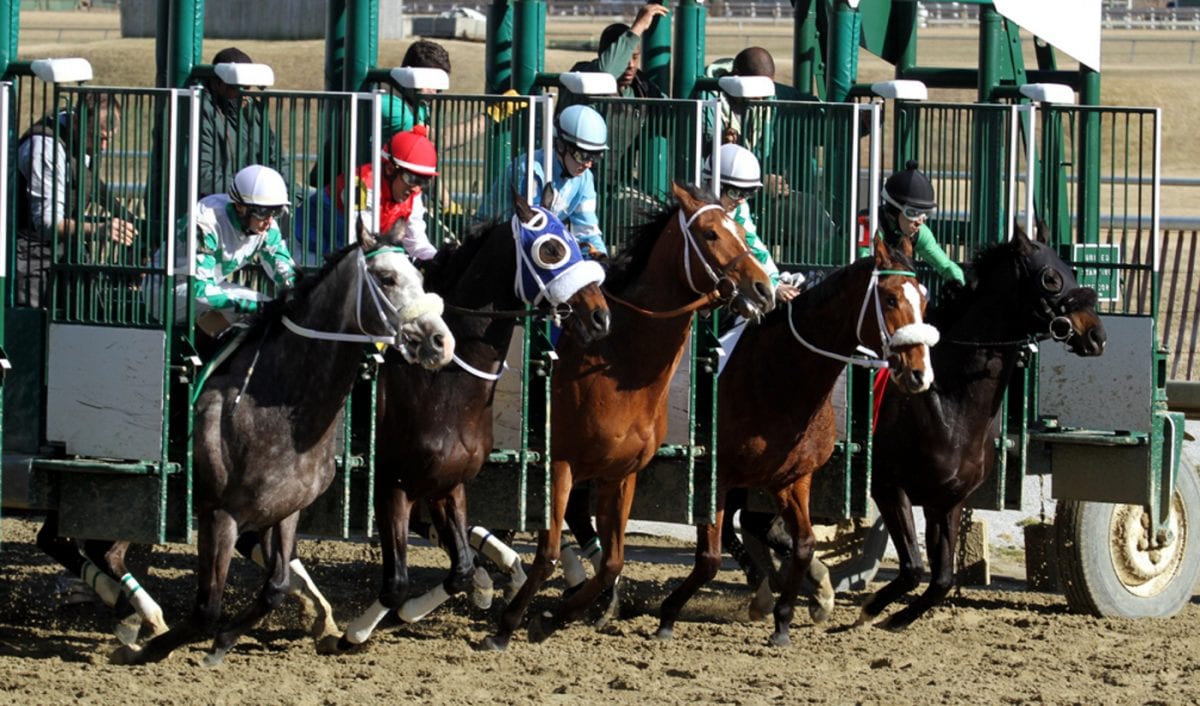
x: 266, y: 425
x: 435, y: 430
x: 935, y: 449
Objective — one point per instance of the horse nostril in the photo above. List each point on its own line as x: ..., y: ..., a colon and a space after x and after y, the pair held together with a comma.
x: 763, y: 292
x: 600, y: 319
x: 439, y: 341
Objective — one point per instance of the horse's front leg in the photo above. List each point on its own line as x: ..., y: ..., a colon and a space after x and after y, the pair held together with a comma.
x: 215, y: 537
x: 794, y: 510
x: 896, y: 511
x: 277, y: 544
x: 450, y: 524
x: 301, y: 586
x: 544, y: 563
x: 136, y: 607
x: 392, y: 511
x: 614, y: 501
x: 941, y: 537
x: 708, y: 561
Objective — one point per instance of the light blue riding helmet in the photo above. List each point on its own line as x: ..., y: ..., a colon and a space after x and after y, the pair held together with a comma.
x: 581, y: 125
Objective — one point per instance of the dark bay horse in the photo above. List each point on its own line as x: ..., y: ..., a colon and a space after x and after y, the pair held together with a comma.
x: 934, y: 450
x: 775, y: 419
x: 435, y: 430
x: 609, y: 399
x: 266, y: 425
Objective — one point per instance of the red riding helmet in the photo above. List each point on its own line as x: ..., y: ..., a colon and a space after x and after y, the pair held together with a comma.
x: 413, y: 151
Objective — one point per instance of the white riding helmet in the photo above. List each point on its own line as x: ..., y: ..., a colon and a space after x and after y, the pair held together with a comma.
x: 257, y: 185
x: 739, y: 167
x: 582, y: 126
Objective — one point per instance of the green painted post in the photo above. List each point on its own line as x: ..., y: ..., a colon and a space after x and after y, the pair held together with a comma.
x: 905, y: 15
x: 335, y: 44
x: 806, y: 52
x: 9, y: 33
x: 689, y: 38
x: 362, y: 19
x: 656, y: 52
x: 529, y: 41
x: 1087, y: 153
x: 987, y: 179
x: 843, y: 60
x: 184, y: 40
x: 498, y: 65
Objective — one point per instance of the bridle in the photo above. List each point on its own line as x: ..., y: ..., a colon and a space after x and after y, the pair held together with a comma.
x: 426, y: 303
x: 909, y: 334
x: 723, y: 286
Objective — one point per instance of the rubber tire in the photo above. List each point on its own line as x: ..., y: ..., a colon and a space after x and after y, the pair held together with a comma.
x: 1086, y: 568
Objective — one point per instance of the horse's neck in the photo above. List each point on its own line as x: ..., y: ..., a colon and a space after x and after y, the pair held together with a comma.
x: 831, y: 326
x: 485, y: 286
x: 978, y: 352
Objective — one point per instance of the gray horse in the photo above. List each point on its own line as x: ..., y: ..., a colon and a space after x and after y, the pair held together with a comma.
x: 265, y: 427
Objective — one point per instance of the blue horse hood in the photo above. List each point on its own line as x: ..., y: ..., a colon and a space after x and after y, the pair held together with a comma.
x: 554, y: 281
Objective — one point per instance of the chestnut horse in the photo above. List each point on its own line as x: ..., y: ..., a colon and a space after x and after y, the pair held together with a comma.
x: 435, y: 430
x: 934, y: 450
x: 608, y: 401
x: 775, y: 421
x: 266, y: 425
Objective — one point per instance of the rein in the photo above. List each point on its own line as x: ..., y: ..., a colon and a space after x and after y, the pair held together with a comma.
x: 874, y: 360
x: 689, y: 246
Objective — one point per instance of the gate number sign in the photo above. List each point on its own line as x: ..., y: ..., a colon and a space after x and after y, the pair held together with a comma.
x: 1104, y: 280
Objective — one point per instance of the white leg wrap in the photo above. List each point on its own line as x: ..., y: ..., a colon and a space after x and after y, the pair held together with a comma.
x: 415, y: 609
x: 141, y: 601
x: 488, y: 545
x: 361, y: 627
x: 593, y: 554
x: 572, y: 567
x: 481, y: 591
x: 100, y: 582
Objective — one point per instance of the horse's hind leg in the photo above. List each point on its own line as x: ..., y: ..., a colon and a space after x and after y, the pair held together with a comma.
x: 452, y: 536
x: 277, y: 544
x: 392, y: 511
x: 794, y: 510
x: 896, y: 511
x: 941, y: 534
x: 136, y: 607
x: 66, y: 552
x: 708, y: 561
x: 215, y: 536
x: 300, y: 585
x: 614, y: 501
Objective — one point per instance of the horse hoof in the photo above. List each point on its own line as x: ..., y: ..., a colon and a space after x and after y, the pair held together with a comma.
x: 761, y: 603
x: 494, y: 643
x: 819, y: 611
x: 213, y: 659
x: 865, y: 618
x: 664, y: 633
x: 126, y: 654
x: 780, y: 639
x: 128, y: 629
x: 541, y: 627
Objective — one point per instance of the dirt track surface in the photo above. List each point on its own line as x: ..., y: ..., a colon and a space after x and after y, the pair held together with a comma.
x: 999, y: 645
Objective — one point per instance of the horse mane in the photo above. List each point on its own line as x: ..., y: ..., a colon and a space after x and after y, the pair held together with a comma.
x: 292, y: 299
x: 653, y: 221
x: 452, y: 260
x: 953, y: 301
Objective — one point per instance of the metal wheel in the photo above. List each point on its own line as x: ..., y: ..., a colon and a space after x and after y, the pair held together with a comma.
x: 1107, y: 565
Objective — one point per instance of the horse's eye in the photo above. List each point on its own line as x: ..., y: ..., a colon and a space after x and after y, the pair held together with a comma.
x: 387, y: 279
x: 710, y: 235
x: 1052, y: 280
x: 892, y: 301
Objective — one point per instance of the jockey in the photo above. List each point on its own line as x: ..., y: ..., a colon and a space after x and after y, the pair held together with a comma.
x: 581, y: 140
x: 407, y: 165
x: 908, y: 200
x: 741, y: 178
x: 234, y: 230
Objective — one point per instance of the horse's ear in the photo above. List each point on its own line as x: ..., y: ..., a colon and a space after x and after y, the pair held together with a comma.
x: 883, y: 254
x: 521, y: 206
x: 682, y: 196
x: 1022, y: 238
x: 1041, y: 232
x: 366, y: 239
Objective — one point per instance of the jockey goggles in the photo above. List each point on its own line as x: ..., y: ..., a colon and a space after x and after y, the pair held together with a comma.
x: 412, y: 178
x: 262, y: 213
x: 581, y: 155
x: 738, y: 193
x: 912, y: 213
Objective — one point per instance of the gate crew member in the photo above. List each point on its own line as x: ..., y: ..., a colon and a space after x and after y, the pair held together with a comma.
x: 234, y: 230
x: 407, y: 166
x: 581, y: 140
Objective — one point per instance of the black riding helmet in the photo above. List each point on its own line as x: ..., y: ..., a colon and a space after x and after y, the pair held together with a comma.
x: 909, y: 188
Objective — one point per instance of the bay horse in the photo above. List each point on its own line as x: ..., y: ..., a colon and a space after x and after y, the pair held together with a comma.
x: 435, y: 429
x: 934, y: 450
x: 266, y: 423
x: 608, y: 400
x: 776, y: 423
